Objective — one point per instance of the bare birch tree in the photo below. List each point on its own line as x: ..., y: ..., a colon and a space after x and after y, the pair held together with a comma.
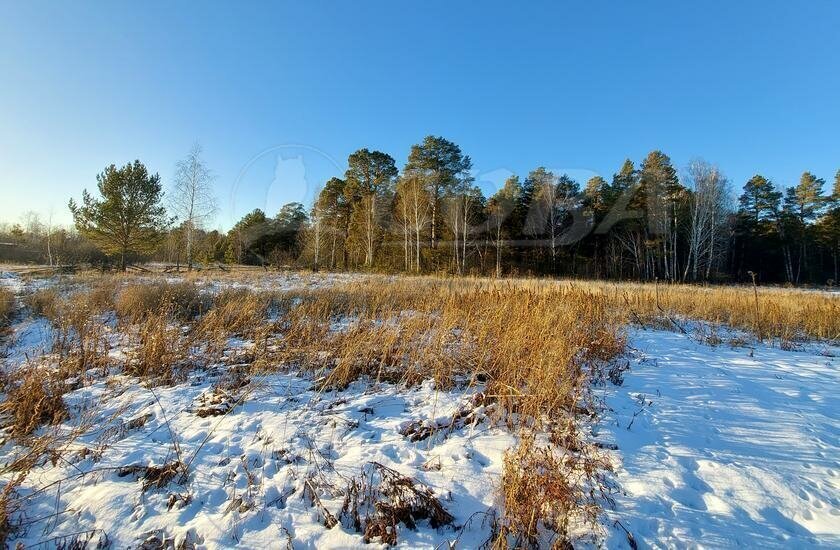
x: 416, y: 202
x: 708, y: 207
x: 192, y: 200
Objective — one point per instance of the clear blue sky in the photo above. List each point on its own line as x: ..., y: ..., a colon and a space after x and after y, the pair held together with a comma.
x: 751, y: 86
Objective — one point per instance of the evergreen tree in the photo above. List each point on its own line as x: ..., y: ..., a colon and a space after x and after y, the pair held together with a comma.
x: 596, y: 203
x: 250, y: 238
x: 760, y: 200
x: 660, y: 190
x: 442, y: 163
x: 625, y: 179
x: 288, y: 225
x: 620, y: 197
x: 805, y: 200
x: 835, y: 195
x: 803, y: 203
x: 758, y: 226
x: 597, y: 194
x: 335, y: 210
x: 370, y: 178
x: 129, y: 217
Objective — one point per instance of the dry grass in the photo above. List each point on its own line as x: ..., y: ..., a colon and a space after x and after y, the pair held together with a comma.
x: 785, y: 314
x: 45, y: 302
x: 550, y: 488
x: 33, y: 400
x: 533, y: 351
x: 7, y: 306
x: 161, y: 350
x: 530, y: 346
x: 80, y: 340
x: 135, y: 302
x: 380, y: 498
x: 237, y: 312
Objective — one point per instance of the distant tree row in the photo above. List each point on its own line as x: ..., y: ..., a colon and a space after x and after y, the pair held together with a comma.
x: 647, y: 222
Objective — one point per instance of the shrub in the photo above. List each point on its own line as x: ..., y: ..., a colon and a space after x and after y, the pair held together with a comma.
x: 548, y: 489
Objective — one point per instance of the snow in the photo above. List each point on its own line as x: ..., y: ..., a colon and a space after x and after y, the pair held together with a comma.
x: 728, y: 446
x: 284, y: 433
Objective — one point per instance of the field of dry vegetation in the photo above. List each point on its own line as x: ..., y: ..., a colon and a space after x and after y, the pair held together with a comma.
x: 526, y: 352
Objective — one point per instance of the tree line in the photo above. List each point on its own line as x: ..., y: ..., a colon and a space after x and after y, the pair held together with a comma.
x: 649, y: 221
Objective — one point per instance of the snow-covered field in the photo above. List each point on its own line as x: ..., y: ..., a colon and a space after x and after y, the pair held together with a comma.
x: 717, y: 447
x: 726, y: 447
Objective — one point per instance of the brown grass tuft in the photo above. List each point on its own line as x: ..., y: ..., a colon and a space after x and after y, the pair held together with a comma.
x: 7, y: 306
x: 531, y: 346
x: 381, y: 499
x: 548, y: 489
x: 45, y: 302
x: 161, y: 350
x: 33, y: 401
x: 135, y: 302
x: 237, y: 312
x: 783, y: 314
x: 80, y: 339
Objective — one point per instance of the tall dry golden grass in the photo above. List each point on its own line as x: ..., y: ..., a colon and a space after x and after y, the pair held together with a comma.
x: 134, y: 302
x: 779, y: 312
x: 529, y: 345
x: 786, y: 314
x: 33, y: 399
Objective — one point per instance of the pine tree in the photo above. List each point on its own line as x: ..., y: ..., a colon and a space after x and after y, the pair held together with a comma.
x: 442, y: 163
x: 597, y: 197
x: 335, y: 210
x: 370, y: 178
x: 625, y: 179
x: 129, y: 217
x: 760, y: 199
x: 806, y: 200
x: 835, y: 194
x: 829, y: 229
x: 660, y: 190
x: 597, y: 201
x: 803, y: 203
x: 251, y: 236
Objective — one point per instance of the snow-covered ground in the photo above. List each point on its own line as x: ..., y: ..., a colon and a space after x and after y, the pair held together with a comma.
x: 248, y: 467
x: 725, y: 447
